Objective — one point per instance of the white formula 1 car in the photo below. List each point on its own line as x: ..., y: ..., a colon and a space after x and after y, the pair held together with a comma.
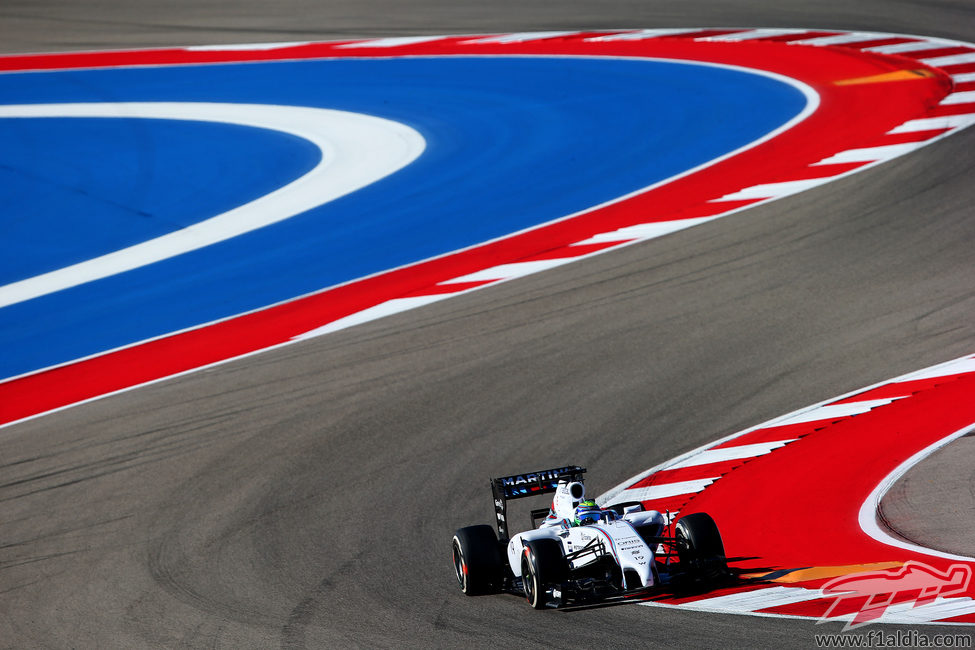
x: 577, y: 552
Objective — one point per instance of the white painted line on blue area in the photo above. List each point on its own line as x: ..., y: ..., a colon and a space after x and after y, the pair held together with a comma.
x: 357, y: 150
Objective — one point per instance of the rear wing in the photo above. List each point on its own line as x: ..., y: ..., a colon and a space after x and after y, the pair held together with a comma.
x: 529, y: 484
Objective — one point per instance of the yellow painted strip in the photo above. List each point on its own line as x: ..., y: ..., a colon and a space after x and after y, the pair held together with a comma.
x: 899, y: 75
x: 821, y: 572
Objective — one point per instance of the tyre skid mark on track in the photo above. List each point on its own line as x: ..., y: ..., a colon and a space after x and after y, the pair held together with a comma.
x: 564, y: 242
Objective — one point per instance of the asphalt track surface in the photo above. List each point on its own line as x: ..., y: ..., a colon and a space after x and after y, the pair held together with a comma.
x: 305, y: 497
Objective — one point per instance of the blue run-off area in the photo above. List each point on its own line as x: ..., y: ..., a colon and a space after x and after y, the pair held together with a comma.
x: 512, y: 142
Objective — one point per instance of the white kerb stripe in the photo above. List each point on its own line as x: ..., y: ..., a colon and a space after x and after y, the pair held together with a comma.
x: 664, y: 490
x: 774, y: 190
x: 751, y: 601
x: 753, y: 34
x: 644, y: 231
x: 954, y: 59
x: 834, y: 411
x: 963, y: 78
x: 357, y: 150
x: 521, y: 37
x: 871, y: 154
x: 898, y: 48
x: 935, y: 123
x: 842, y: 39
x: 395, y: 41
x: 907, y: 612
x: 244, y: 47
x: 956, y: 367
x: 508, y: 271
x: 731, y: 453
x: 964, y: 97
x: 642, y: 34
x: 381, y: 310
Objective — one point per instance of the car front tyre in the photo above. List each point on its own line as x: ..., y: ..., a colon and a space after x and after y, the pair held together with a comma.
x: 543, y: 566
x: 699, y: 546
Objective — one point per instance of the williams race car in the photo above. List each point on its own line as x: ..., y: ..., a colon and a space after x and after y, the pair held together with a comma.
x: 577, y: 552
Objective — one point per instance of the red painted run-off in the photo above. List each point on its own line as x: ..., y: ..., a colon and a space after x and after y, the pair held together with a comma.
x: 806, y: 496
x: 807, y: 506
x: 849, y: 116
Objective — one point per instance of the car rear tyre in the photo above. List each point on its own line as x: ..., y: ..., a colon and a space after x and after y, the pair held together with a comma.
x: 477, y: 560
x: 543, y: 566
x: 699, y: 546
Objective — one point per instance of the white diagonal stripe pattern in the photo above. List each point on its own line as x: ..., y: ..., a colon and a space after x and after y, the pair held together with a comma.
x: 664, y: 490
x: 731, y: 453
x: 941, y: 608
x: 644, y: 231
x: 774, y: 190
x: 394, y: 41
x: 843, y: 39
x: 834, y: 411
x: 381, y: 310
x: 751, y: 601
x: 963, y: 97
x: 641, y: 34
x: 871, y: 154
x: 953, y: 59
x: 907, y: 612
x: 898, y: 48
x: 520, y: 37
x: 508, y: 271
x: 753, y: 34
x: 934, y: 123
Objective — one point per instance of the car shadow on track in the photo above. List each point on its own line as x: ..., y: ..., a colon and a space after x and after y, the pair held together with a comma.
x: 679, y: 591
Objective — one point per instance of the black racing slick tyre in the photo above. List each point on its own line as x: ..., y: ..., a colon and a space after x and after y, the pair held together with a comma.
x: 699, y: 547
x: 477, y: 560
x: 543, y: 565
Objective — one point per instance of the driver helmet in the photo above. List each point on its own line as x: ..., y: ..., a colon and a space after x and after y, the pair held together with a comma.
x: 587, y: 512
